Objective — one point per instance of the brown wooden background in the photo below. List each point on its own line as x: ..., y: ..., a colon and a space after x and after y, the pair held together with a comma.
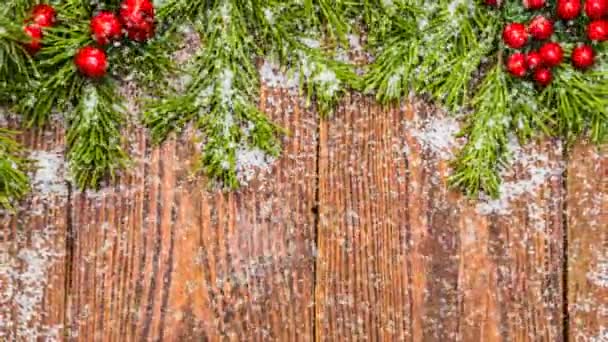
x: 349, y: 237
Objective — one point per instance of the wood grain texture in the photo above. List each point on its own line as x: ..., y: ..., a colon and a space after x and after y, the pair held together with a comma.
x: 32, y: 249
x: 587, y: 204
x: 402, y: 258
x: 160, y: 258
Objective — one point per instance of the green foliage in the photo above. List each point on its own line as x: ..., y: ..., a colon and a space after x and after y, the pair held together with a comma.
x: 452, y: 52
x: 93, y: 137
x: 221, y: 96
x: 14, y: 183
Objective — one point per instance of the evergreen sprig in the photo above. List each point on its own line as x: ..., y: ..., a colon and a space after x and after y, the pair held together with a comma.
x: 14, y: 183
x: 221, y: 97
x: 92, y: 109
x: 453, y: 53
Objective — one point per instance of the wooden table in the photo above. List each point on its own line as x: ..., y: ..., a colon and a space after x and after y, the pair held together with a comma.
x: 351, y: 236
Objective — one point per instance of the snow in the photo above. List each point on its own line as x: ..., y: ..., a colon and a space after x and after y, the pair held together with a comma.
x: 251, y: 161
x: 49, y: 177
x: 599, y: 275
x: 438, y: 134
x: 27, y: 274
x: 539, y: 167
x: 272, y: 76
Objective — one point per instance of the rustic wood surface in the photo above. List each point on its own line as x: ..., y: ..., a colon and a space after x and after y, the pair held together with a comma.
x: 587, y: 270
x: 353, y: 234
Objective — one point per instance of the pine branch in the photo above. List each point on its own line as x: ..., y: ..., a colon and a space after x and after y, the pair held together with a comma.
x: 477, y: 165
x: 14, y: 184
x: 221, y: 97
x: 16, y: 66
x: 580, y: 100
x: 305, y: 38
x: 94, y: 137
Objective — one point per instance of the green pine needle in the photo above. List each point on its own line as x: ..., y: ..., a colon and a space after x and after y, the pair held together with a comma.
x: 14, y: 184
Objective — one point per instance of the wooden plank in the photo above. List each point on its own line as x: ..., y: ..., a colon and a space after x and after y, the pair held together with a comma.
x: 400, y: 257
x: 588, y: 243
x: 159, y: 257
x: 33, y: 246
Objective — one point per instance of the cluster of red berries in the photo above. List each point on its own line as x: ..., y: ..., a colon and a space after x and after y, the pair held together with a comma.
x: 135, y: 19
x: 540, y: 28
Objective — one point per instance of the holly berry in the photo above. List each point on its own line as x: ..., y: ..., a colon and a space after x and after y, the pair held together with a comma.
x: 598, y: 30
x: 582, y: 56
x: 44, y: 15
x: 34, y: 32
x: 106, y: 27
x: 534, y: 4
x: 493, y: 3
x: 540, y: 27
x: 551, y: 54
x: 515, y: 35
x: 543, y: 76
x: 533, y: 60
x: 568, y: 9
x: 596, y: 9
x: 138, y: 18
x: 516, y: 64
x: 91, y: 61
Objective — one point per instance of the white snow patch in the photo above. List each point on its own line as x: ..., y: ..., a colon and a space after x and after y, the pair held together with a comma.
x: 249, y: 161
x: 271, y: 75
x: 49, y: 176
x: 27, y: 275
x: 438, y: 133
x: 539, y: 167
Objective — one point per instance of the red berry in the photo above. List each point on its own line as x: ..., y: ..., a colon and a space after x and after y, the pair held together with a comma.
x: 516, y: 64
x: 598, y: 30
x: 582, y: 56
x: 515, y: 35
x: 91, y: 62
x: 596, y: 9
x: 568, y: 9
x: 105, y: 27
x: 540, y: 27
x: 543, y: 76
x: 533, y: 60
x: 551, y: 54
x: 138, y: 19
x: 34, y: 32
x: 534, y: 4
x: 44, y: 15
x: 493, y: 3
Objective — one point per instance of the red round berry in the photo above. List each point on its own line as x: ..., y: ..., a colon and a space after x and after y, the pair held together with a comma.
x: 34, y: 32
x: 596, y: 9
x: 493, y: 3
x: 533, y: 60
x: 138, y: 18
x: 540, y: 27
x: 44, y: 15
x: 516, y: 64
x: 543, y: 76
x: 551, y: 54
x: 582, y: 56
x: 598, y: 30
x: 515, y: 35
x: 534, y: 4
x: 105, y: 27
x: 91, y: 62
x: 568, y: 9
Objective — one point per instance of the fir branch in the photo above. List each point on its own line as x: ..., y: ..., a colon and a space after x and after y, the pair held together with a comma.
x: 16, y: 65
x: 477, y: 165
x: 221, y: 97
x: 293, y: 33
x: 93, y: 137
x: 580, y: 100
x: 14, y: 184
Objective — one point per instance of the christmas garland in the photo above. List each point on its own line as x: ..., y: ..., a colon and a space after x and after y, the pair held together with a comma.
x: 525, y: 67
